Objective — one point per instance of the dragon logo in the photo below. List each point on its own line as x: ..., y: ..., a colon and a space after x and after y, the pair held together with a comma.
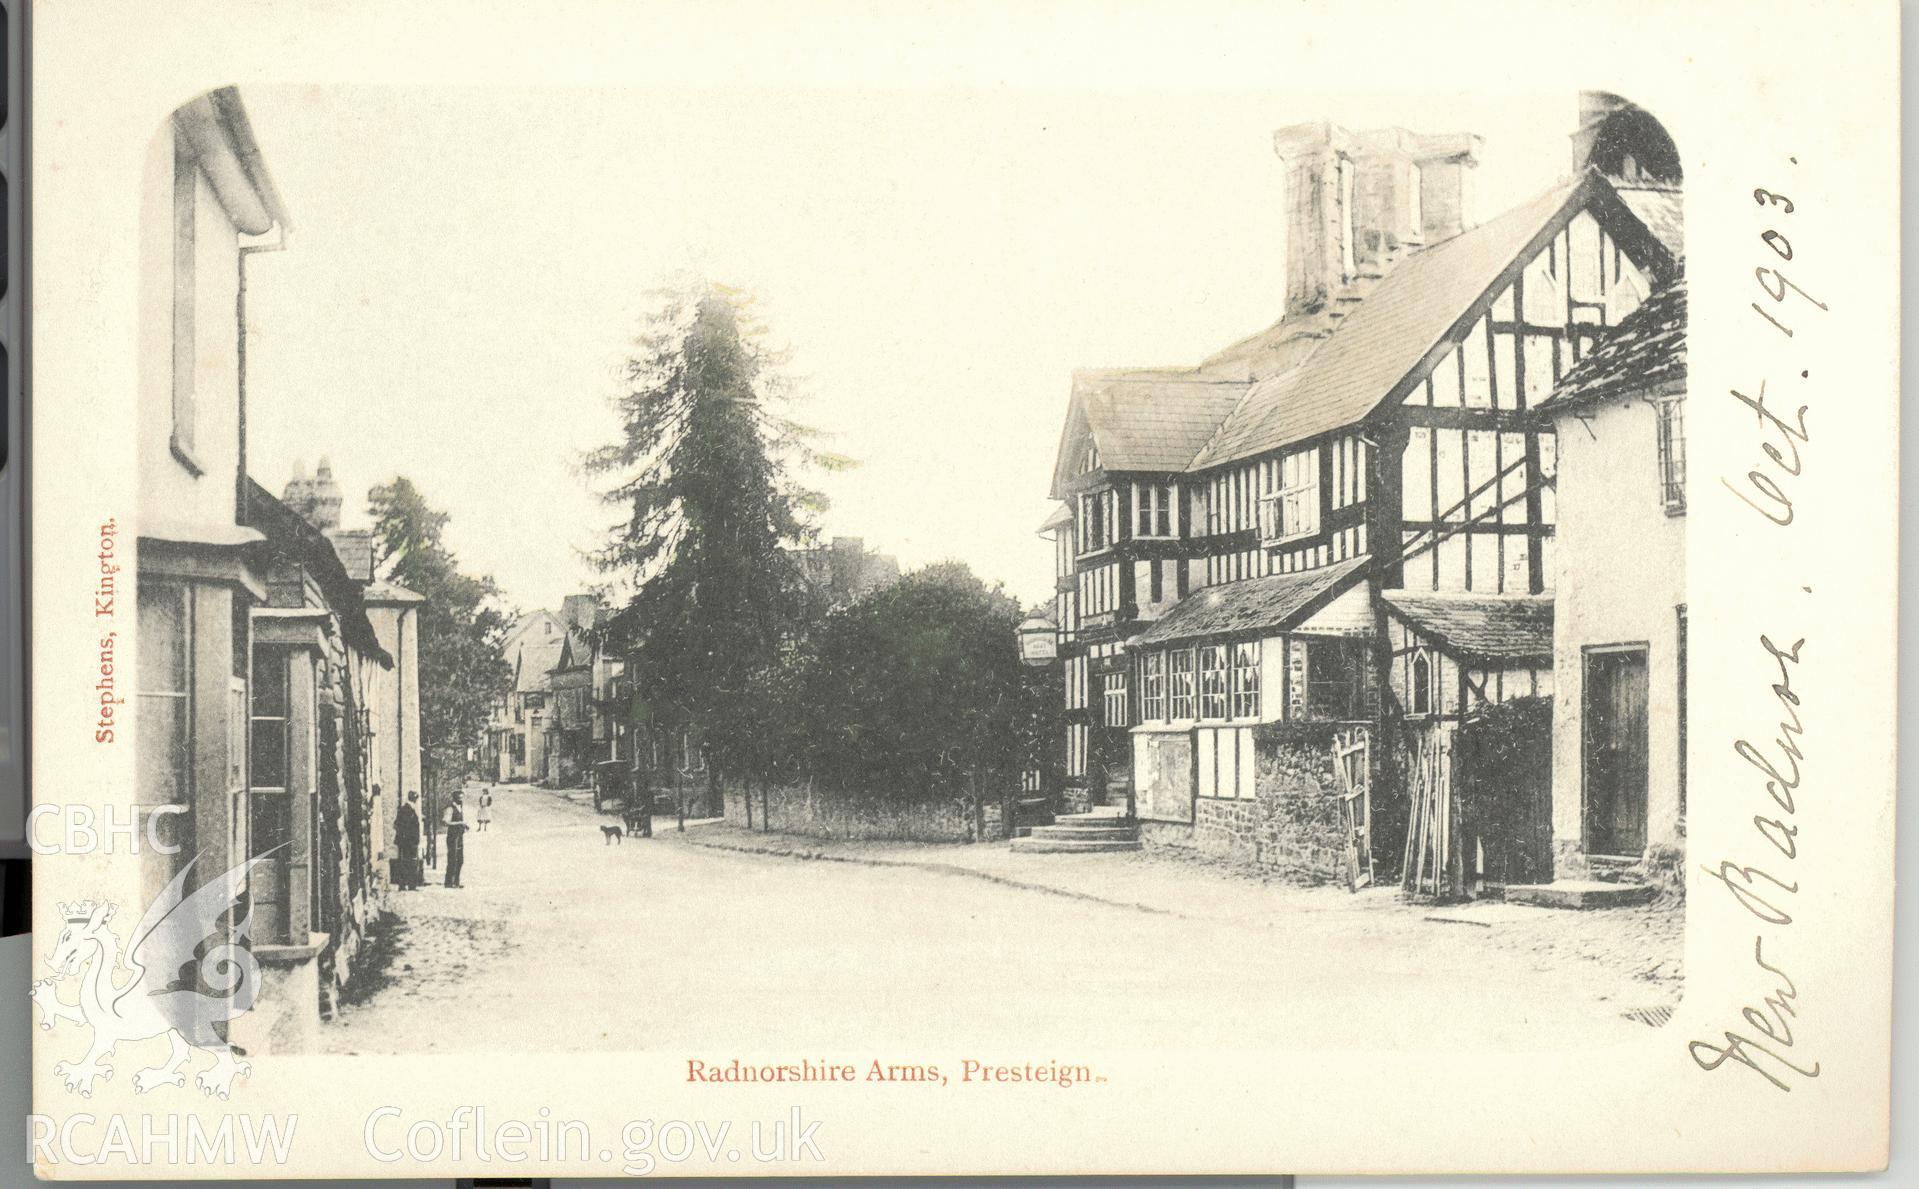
x: 189, y: 978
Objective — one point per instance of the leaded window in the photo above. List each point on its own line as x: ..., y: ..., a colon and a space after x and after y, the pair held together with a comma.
x: 1246, y: 679
x: 1113, y: 689
x: 1213, y: 662
x: 1672, y: 453
x: 1152, y: 686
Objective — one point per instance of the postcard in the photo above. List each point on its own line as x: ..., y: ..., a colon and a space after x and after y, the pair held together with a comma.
x: 636, y: 589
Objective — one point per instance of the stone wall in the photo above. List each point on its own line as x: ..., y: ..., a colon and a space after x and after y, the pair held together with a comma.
x: 1294, y: 824
x: 830, y: 813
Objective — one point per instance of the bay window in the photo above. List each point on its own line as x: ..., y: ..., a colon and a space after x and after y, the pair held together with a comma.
x: 1152, y: 686
x: 1180, y: 662
x: 1246, y: 679
x: 281, y: 801
x: 1213, y: 663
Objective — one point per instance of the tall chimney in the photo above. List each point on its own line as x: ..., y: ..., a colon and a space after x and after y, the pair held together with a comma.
x: 1319, y: 182
x: 317, y: 499
x: 1353, y: 200
x: 1446, y: 161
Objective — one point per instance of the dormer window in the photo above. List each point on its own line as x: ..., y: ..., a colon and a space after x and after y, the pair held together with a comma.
x: 1089, y: 459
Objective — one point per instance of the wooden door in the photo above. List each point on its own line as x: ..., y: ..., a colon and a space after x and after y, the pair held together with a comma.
x: 1615, y: 746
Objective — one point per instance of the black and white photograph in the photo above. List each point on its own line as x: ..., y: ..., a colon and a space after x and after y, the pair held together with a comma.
x: 1006, y: 596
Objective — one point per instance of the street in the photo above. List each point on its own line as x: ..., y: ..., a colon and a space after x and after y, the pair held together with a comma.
x: 561, y: 940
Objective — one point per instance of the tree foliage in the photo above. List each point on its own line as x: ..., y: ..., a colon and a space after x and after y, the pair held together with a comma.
x: 462, y: 624
x: 918, y: 690
x: 705, y: 478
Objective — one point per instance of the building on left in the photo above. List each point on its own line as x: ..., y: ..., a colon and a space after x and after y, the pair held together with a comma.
x: 265, y: 689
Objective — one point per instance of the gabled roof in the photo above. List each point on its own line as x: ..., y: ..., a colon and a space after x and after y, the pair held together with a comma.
x: 576, y: 652
x: 1273, y: 603
x: 1407, y: 320
x: 534, y: 660
x: 1387, y: 336
x: 1144, y: 420
x: 1646, y: 352
x: 1480, y: 626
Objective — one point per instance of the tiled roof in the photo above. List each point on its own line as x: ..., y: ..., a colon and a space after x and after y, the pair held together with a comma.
x: 1487, y: 627
x: 1386, y: 336
x: 1661, y: 210
x: 355, y: 547
x: 1151, y: 420
x: 536, y: 659
x: 1272, y: 603
x: 1061, y: 517
x: 1645, y: 352
x: 391, y: 593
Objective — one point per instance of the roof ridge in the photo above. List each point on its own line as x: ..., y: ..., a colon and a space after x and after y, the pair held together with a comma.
x: 1248, y: 429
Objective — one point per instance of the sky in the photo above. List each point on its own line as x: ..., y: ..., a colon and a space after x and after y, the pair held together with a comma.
x: 467, y: 269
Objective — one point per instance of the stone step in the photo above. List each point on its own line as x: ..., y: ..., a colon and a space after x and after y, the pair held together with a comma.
x: 1056, y: 846
x: 1068, y: 833
x: 1090, y: 821
x: 1580, y: 893
x: 1612, y: 870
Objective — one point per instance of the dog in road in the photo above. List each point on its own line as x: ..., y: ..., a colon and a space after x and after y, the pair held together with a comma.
x: 613, y: 834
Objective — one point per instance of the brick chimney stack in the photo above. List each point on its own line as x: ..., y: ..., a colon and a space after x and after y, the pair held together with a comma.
x: 316, y: 499
x: 1355, y: 201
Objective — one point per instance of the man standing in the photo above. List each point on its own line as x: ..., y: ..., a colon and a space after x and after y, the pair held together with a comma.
x: 454, y: 819
x: 406, y: 845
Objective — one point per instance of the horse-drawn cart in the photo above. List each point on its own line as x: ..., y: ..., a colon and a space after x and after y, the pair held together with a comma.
x: 612, y: 785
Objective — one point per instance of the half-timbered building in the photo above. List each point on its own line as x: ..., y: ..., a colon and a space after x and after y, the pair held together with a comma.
x: 1336, y: 538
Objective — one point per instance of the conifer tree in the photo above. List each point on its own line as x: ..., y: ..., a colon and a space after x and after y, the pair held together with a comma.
x: 703, y: 477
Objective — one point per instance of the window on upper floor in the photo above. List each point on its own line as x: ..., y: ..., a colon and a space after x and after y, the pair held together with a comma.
x: 1292, y: 510
x: 1153, y: 510
x: 1672, y: 453
x: 1092, y: 522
